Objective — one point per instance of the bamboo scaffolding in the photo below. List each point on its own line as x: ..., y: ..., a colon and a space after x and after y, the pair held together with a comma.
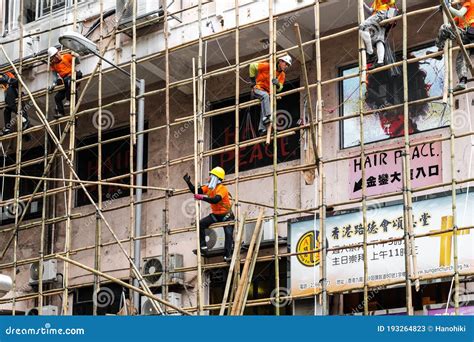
x: 200, y: 115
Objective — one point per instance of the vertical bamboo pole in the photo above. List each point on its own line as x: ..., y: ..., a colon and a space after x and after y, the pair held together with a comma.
x: 362, y: 86
x: 408, y: 226
x: 199, y: 140
x: 98, y: 228
x: 133, y: 112
x: 19, y: 144
x: 236, y: 150
x: 197, y: 204
x: 45, y: 208
x: 164, y: 239
x: 272, y: 45
x: 453, y: 179
x: 321, y: 177
x: 70, y: 191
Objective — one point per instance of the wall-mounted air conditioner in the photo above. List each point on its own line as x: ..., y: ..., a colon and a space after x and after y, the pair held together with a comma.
x: 147, y: 308
x: 268, y: 232
x: 49, y: 272
x: 152, y: 268
x: 48, y: 310
x: 146, y: 10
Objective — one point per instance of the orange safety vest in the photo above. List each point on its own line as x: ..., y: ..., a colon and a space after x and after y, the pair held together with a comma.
x: 382, y: 5
x: 9, y: 74
x: 64, y: 67
x: 468, y: 19
x: 224, y: 206
x: 263, y: 77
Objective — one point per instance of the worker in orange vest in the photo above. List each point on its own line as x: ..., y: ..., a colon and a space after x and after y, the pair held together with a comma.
x: 372, y: 33
x: 9, y: 84
x: 61, y: 65
x: 260, y: 77
x: 464, y: 18
x: 216, y: 194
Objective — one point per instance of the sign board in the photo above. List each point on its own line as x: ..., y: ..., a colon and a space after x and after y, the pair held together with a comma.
x: 345, y: 267
x: 383, y: 170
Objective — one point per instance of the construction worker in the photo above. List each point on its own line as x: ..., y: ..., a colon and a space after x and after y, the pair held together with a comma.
x: 372, y: 32
x: 218, y: 196
x: 61, y: 65
x: 260, y: 77
x: 9, y: 83
x: 464, y: 18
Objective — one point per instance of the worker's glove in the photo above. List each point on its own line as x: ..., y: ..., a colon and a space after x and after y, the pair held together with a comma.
x: 275, y: 82
x: 199, y: 197
x: 253, y: 82
x: 51, y: 88
x: 187, y: 178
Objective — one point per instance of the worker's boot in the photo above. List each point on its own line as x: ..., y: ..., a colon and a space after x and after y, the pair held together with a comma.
x: 25, y: 123
x: 461, y: 85
x: 6, y: 131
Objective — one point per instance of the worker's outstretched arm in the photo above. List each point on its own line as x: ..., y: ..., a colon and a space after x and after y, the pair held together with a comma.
x: 213, y: 200
x: 458, y: 13
x: 55, y: 81
x: 192, y: 188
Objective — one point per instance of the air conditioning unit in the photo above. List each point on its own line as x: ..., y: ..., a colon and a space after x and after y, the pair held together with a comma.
x: 153, y: 266
x: 49, y: 272
x: 48, y: 310
x: 268, y: 232
x: 146, y: 10
x: 215, y: 238
x: 147, y: 308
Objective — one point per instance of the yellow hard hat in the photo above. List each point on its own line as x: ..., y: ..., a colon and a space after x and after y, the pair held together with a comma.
x: 218, y: 172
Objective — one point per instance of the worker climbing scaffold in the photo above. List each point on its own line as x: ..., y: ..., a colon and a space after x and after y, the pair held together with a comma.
x: 216, y: 194
x: 260, y: 77
x: 61, y: 66
x: 9, y: 83
x: 464, y: 19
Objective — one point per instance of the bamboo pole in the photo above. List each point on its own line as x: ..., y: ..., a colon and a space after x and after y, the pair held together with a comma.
x: 362, y: 85
x: 408, y: 226
x: 166, y: 212
x: 122, y: 283
x: 449, y: 78
x: 235, y: 261
x: 306, y: 85
x: 236, y: 307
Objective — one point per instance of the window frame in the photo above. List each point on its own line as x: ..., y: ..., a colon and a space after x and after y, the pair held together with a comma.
x: 340, y: 96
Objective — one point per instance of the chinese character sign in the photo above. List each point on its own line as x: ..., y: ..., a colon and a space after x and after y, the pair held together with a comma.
x: 345, y: 266
x: 383, y: 170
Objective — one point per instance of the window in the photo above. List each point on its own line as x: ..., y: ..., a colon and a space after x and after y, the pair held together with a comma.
x: 116, y: 162
x: 27, y: 186
x: 384, y: 89
x: 255, y: 156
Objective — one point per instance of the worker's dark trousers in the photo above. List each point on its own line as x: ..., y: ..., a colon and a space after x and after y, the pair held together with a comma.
x: 11, y: 95
x: 65, y: 93
x: 228, y: 231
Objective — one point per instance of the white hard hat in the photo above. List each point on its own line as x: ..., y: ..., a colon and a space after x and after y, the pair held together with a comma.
x: 52, y: 51
x: 286, y: 59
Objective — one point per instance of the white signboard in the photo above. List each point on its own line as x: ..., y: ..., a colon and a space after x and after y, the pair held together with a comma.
x: 345, y: 268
